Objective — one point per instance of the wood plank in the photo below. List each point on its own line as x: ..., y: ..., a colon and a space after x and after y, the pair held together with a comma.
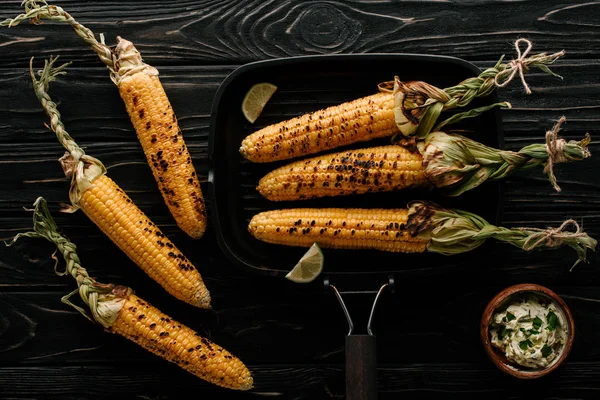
x: 529, y: 201
x: 94, y: 113
x: 421, y: 322
x: 92, y: 109
x: 285, y: 381
x: 27, y: 264
x: 216, y: 32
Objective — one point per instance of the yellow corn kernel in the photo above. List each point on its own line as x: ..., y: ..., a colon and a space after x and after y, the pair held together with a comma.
x: 355, y: 121
x: 147, y: 326
x: 151, y: 114
x: 375, y: 169
x: 161, y: 138
x: 338, y: 228
x: 131, y: 230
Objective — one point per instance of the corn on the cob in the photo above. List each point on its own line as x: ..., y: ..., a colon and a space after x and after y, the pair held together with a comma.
x: 359, y: 120
x: 374, y: 169
x: 411, y: 109
x: 450, y: 162
x: 151, y: 115
x: 420, y: 227
x: 161, y: 138
x: 337, y: 228
x: 109, y: 207
x: 145, y: 325
x: 120, y: 311
x: 115, y: 214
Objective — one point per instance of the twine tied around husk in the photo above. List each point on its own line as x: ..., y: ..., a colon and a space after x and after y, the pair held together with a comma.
x: 103, y: 301
x: 521, y: 64
x: 78, y: 166
x: 551, y: 237
x: 451, y: 231
x: 555, y: 147
x: 419, y: 104
x: 456, y: 164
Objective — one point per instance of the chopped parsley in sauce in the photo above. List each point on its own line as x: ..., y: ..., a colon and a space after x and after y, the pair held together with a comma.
x: 531, y: 331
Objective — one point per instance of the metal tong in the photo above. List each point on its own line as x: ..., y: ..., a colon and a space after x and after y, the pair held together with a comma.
x: 361, y: 349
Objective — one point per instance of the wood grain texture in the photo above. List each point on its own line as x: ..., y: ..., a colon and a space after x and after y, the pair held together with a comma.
x: 409, y: 381
x: 92, y: 109
x: 104, y: 119
x: 217, y: 32
x: 443, y: 326
x: 291, y: 336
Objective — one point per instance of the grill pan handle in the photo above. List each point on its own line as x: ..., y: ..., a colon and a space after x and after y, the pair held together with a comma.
x: 361, y: 351
x: 361, y: 367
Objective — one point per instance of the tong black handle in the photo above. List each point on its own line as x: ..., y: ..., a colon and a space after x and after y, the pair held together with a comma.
x: 361, y: 367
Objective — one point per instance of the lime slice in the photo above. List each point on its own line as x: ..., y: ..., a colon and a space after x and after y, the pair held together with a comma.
x: 309, y: 266
x: 255, y: 100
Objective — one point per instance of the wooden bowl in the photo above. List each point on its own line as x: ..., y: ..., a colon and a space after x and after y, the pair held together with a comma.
x: 497, y: 357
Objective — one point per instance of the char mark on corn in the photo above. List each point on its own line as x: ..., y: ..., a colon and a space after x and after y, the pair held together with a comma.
x: 359, y: 120
x: 109, y: 207
x: 118, y: 310
x: 162, y: 140
x: 338, y: 228
x: 376, y: 169
x: 155, y: 331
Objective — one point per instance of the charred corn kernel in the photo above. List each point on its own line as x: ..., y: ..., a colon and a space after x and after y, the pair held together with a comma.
x: 151, y: 114
x: 161, y: 138
x: 112, y: 210
x: 337, y: 228
x: 131, y: 230
x: 375, y: 169
x: 355, y: 121
x: 120, y: 311
x: 147, y: 326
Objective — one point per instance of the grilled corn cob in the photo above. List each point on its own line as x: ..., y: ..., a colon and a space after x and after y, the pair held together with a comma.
x: 406, y: 108
x: 115, y: 214
x: 375, y: 169
x: 151, y: 115
x: 359, y: 120
x: 420, y: 227
x: 120, y: 311
x: 337, y: 228
x: 162, y: 140
x: 450, y: 162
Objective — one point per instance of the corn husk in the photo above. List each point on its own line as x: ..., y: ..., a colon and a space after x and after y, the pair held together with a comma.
x: 456, y: 164
x: 451, y: 231
x: 420, y: 104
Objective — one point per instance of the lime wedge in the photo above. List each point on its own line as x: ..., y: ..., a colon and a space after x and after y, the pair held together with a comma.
x: 309, y: 266
x: 255, y: 100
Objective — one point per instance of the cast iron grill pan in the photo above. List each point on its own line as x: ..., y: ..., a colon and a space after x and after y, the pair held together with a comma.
x: 306, y: 84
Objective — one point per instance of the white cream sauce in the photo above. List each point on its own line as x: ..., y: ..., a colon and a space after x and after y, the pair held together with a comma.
x: 531, y: 332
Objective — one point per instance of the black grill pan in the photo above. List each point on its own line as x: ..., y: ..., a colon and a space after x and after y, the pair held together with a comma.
x: 306, y: 84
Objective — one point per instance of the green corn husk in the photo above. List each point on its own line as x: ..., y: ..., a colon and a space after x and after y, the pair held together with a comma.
x: 457, y: 164
x: 103, y: 301
x: 451, y: 163
x: 38, y: 10
x: 451, y: 231
x: 81, y: 168
x: 419, y: 104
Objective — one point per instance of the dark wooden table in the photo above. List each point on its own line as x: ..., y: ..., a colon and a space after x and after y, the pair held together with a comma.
x: 291, y: 336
